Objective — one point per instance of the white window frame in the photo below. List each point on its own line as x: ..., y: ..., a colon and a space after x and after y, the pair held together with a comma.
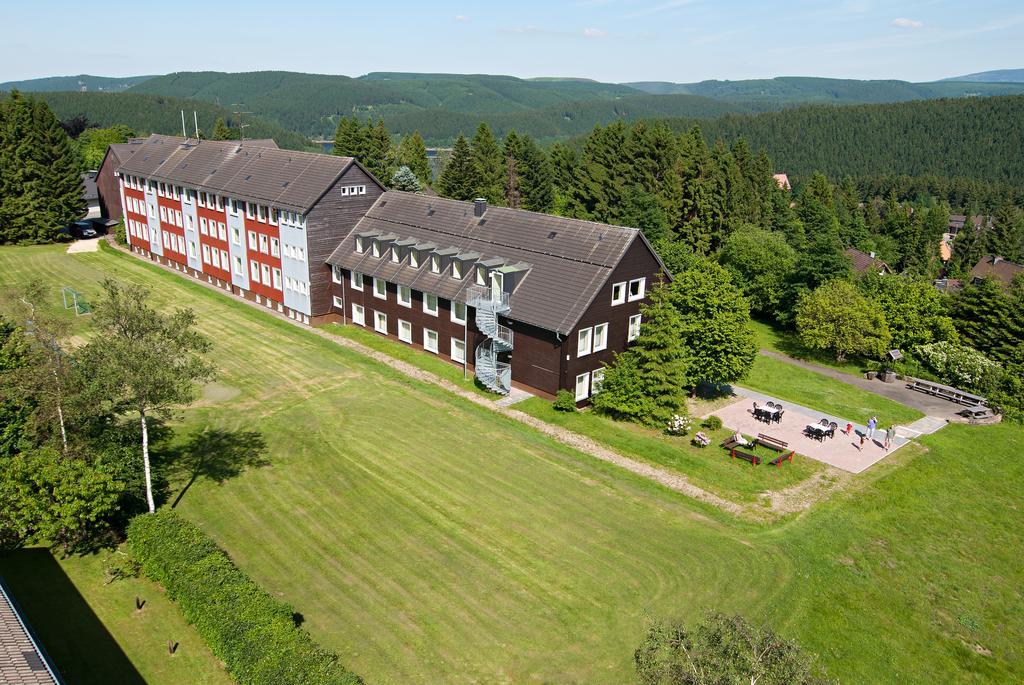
x: 221, y: 231
x: 481, y: 275
x: 600, y: 333
x: 641, y: 292
x: 336, y: 273
x: 236, y: 236
x: 250, y: 212
x: 404, y: 296
x: 356, y: 280
x: 458, y: 351
x: 360, y: 247
x: 276, y: 273
x: 396, y: 257
x: 254, y: 271
x: 380, y: 288
x: 264, y: 244
x: 634, y: 328
x: 456, y: 269
x: 427, y: 344
x: 358, y: 314
x: 435, y: 264
x: 414, y: 259
x: 275, y: 247
x: 206, y: 254
x: 253, y: 240
x: 380, y: 322
x: 584, y: 342
x: 266, y: 273
x: 426, y: 299
x: 596, y: 380
x: 202, y: 225
x: 375, y: 248
x: 239, y: 266
x: 455, y: 317
x: 224, y: 260
x: 405, y: 337
x: 585, y: 378
x: 619, y: 293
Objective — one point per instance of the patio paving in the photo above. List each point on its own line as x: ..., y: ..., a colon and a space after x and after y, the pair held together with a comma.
x: 841, y: 451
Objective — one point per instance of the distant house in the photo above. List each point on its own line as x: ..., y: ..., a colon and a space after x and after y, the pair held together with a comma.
x: 863, y: 262
x: 994, y: 266
x: 91, y: 195
x: 783, y: 181
x: 946, y: 247
x: 23, y: 661
x: 958, y: 221
x: 948, y: 285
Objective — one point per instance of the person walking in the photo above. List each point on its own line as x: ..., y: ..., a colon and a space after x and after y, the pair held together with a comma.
x: 889, y: 435
x: 863, y: 438
x: 872, y: 424
x: 849, y: 429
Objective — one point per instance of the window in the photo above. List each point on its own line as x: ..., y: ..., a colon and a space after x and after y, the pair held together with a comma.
x: 404, y: 296
x: 336, y: 274
x: 600, y: 337
x: 396, y: 257
x: 221, y: 233
x: 380, y: 322
x: 380, y: 288
x: 273, y: 217
x: 177, y: 217
x: 360, y: 248
x: 619, y: 293
x: 584, y: 342
x: 275, y: 247
x: 190, y: 223
x: 216, y: 258
x: 236, y: 236
x: 435, y: 264
x: 224, y: 259
x: 636, y: 289
x: 405, y: 331
x: 459, y: 312
x: 220, y: 203
x: 356, y: 280
x: 206, y: 254
x: 202, y: 199
x: 163, y: 213
x: 301, y: 252
x: 250, y: 210
x: 458, y: 350
x: 596, y: 380
x: 202, y: 225
x: 254, y: 270
x: 238, y: 266
x: 582, y: 386
x: 430, y: 304
x: 252, y: 240
x: 634, y: 327
x: 235, y: 207
x: 375, y: 248
x: 481, y: 275
x: 430, y: 340
x: 266, y: 274
x: 262, y: 213
x: 338, y: 302
x: 414, y: 259
x: 358, y: 315
x: 457, y: 269
x: 277, y: 279
x: 264, y: 244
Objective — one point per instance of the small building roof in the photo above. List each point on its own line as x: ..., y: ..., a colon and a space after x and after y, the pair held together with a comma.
x: 995, y: 267
x: 23, y: 661
x: 247, y: 170
x: 90, y: 192
x: 783, y: 181
x: 569, y: 260
x: 863, y: 262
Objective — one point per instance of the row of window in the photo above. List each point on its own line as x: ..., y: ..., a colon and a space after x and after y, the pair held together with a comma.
x: 595, y: 338
x: 403, y: 295
x: 212, y: 228
x: 138, y: 207
x: 589, y: 383
x: 170, y: 216
x: 261, y: 243
x: 456, y: 269
x: 216, y: 202
x: 405, y: 334
x: 628, y: 291
x: 218, y: 258
x: 262, y: 273
x: 353, y: 190
x: 173, y: 242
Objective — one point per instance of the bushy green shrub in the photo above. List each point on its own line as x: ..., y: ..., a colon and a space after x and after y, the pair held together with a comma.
x: 961, y: 366
x: 564, y: 401
x: 712, y: 423
x: 251, y: 632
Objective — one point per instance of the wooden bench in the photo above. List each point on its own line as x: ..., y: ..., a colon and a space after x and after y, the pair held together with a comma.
x: 752, y: 458
x: 730, y: 443
x: 771, y: 443
x: 945, y: 392
x: 777, y: 461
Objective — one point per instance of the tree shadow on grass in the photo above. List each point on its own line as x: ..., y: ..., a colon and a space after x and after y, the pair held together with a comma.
x: 217, y: 455
x: 82, y: 649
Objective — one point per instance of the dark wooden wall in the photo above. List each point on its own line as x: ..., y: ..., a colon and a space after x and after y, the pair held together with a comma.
x: 109, y: 189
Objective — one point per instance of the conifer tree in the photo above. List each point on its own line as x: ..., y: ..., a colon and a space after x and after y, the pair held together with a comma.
x: 459, y: 180
x: 221, y: 130
x: 647, y: 382
x: 348, y: 138
x: 654, y: 163
x: 536, y: 184
x: 564, y: 161
x: 702, y: 194
x: 376, y: 154
x: 641, y: 210
x: 490, y: 166
x: 405, y: 179
x: 596, y: 192
x: 412, y: 152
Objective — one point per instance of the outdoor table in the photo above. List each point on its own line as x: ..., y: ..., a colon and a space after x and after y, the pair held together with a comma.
x: 817, y: 430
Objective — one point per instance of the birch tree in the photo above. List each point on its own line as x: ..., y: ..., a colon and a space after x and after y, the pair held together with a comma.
x: 144, y: 362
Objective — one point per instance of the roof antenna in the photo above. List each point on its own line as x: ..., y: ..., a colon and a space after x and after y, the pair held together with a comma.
x: 241, y: 126
x: 195, y: 118
x: 183, y: 134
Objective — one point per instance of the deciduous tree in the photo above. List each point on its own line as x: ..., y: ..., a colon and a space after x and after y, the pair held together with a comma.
x: 837, y: 317
x: 761, y: 263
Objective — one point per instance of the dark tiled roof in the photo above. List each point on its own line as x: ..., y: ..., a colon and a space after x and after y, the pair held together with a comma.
x: 863, y: 262
x: 569, y: 260
x: 22, y: 660
x: 89, y: 190
x: 996, y: 267
x: 244, y: 170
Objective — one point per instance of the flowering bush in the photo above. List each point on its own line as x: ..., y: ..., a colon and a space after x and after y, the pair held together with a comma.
x: 960, y: 365
x: 679, y: 425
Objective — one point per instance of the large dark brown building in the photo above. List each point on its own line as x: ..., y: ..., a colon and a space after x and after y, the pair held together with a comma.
x: 522, y: 298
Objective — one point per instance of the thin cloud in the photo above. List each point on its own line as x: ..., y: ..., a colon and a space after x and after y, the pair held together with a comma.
x: 663, y: 7
x: 595, y: 33
x: 461, y: 17
x: 904, y: 23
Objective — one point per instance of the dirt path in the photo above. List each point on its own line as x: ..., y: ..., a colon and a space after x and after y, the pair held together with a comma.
x: 792, y: 500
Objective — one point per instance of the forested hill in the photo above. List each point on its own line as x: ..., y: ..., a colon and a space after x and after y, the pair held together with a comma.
x: 806, y: 90
x: 995, y: 76
x: 159, y: 114
x: 105, y: 84
x: 980, y: 138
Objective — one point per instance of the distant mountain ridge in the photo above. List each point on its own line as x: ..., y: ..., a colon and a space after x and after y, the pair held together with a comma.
x: 994, y: 76
x: 86, y: 82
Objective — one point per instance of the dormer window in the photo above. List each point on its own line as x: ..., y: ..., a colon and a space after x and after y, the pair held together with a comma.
x: 396, y: 257
x: 481, y: 275
x: 414, y: 259
x: 360, y: 247
x: 457, y: 270
x: 435, y: 264
x: 375, y: 248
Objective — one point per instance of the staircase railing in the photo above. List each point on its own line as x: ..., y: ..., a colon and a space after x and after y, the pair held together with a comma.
x: 488, y: 303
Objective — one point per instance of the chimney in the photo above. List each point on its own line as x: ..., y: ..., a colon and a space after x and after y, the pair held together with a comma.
x: 479, y: 206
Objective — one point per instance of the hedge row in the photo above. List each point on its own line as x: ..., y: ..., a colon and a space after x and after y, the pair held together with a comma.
x: 251, y: 632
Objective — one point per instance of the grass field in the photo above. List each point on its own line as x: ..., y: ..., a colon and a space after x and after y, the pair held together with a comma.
x: 772, y: 337
x: 428, y: 540
x: 709, y: 468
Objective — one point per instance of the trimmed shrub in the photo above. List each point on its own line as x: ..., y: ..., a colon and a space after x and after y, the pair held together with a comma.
x: 564, y: 401
x: 712, y: 423
x: 251, y: 632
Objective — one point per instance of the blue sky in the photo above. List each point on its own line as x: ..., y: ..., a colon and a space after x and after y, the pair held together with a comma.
x: 608, y: 40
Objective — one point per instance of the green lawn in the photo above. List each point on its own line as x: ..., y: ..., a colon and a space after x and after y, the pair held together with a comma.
x: 810, y: 389
x: 709, y: 468
x: 427, y: 540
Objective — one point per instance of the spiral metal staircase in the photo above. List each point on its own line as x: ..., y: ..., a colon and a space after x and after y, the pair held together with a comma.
x: 489, y: 303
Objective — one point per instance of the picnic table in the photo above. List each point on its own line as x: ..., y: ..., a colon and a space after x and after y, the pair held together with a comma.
x: 768, y: 414
x: 818, y: 431
x: 946, y: 392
